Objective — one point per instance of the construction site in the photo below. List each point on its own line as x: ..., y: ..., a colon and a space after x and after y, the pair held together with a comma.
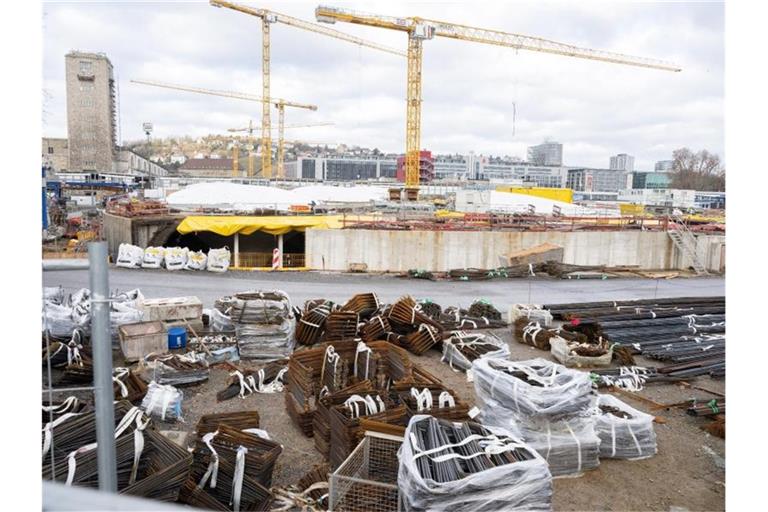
x: 253, y: 321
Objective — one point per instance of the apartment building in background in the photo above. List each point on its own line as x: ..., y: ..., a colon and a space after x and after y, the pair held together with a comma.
x: 547, y: 153
x: 622, y: 162
x: 91, y: 112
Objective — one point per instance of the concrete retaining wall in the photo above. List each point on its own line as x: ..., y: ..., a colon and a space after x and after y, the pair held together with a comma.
x: 398, y: 251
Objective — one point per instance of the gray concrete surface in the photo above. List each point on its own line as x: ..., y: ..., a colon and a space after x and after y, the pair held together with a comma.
x: 301, y: 286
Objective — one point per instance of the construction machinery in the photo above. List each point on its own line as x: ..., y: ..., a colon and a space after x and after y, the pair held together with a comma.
x: 267, y: 18
x: 281, y: 141
x: 266, y: 153
x: 421, y: 29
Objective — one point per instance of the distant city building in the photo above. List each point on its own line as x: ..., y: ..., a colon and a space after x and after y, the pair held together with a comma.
x: 55, y: 153
x: 547, y: 153
x: 710, y: 200
x: 664, y: 166
x: 595, y: 180
x: 479, y: 167
x: 128, y: 162
x: 91, y: 111
x: 426, y: 167
x: 671, y: 198
x: 341, y: 168
x: 216, y: 167
x: 622, y: 162
x: 654, y: 180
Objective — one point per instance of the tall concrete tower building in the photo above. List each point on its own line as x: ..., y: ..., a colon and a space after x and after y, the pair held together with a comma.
x: 91, y: 111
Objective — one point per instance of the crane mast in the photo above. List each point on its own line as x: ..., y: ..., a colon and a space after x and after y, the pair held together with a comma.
x: 419, y: 29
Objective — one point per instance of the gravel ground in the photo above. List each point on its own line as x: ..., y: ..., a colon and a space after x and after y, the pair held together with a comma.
x: 687, y: 473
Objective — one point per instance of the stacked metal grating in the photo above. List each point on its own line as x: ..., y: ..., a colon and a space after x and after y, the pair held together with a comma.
x: 174, y: 369
x: 445, y: 465
x: 264, y: 323
x: 688, y: 332
x: 240, y: 420
x: 148, y: 463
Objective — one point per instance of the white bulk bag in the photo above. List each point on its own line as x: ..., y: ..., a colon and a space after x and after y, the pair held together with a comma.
x: 153, y: 257
x: 196, y: 260
x: 129, y: 256
x: 176, y: 257
x: 218, y: 260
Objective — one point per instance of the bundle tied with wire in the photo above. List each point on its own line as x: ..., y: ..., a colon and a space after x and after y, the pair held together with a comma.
x: 264, y: 323
x: 461, y: 467
x: 269, y: 378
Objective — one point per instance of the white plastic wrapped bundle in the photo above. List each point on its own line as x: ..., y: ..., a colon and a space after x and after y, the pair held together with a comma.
x: 176, y: 257
x: 163, y: 402
x: 61, y: 321
x: 531, y: 389
x: 624, y: 432
x: 53, y: 294
x: 570, y: 446
x: 218, y: 260
x: 462, y: 346
x: 265, y: 341
x: 263, y: 321
x: 129, y: 256
x: 533, y: 312
x: 219, y: 321
x: 563, y: 351
x: 493, y: 471
x: 196, y: 260
x: 153, y: 257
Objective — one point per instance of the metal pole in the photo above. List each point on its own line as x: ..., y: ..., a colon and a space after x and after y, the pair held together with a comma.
x: 237, y: 250
x: 280, y: 248
x: 102, y: 366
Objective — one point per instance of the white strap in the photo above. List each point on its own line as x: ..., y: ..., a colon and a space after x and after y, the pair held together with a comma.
x: 213, y: 465
x: 578, y: 445
x: 120, y: 374
x: 446, y: 400
x: 362, y: 347
x: 237, y: 480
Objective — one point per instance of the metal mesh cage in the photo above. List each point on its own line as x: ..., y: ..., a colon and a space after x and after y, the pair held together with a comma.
x: 367, y: 479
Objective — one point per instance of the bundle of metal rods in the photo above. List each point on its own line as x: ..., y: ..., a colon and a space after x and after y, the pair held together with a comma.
x: 464, y: 347
x: 314, y: 479
x: 260, y: 307
x: 710, y: 408
x: 375, y: 328
x: 310, y: 327
x: 404, y: 316
x: 433, y: 433
x: 345, y: 427
x: 239, y: 420
x: 259, y: 459
x: 77, y: 373
x: 197, y: 490
x: 454, y: 318
x: 128, y: 385
x: 484, y: 309
x: 364, y: 304
x: 431, y: 309
x: 321, y: 419
x: 259, y: 380
x: 422, y: 339
x: 433, y: 399
x: 341, y: 325
x: 174, y: 369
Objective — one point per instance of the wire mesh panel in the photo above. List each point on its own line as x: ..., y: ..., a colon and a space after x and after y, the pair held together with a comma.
x: 367, y: 479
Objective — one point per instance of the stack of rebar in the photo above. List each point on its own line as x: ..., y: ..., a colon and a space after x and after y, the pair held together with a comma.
x: 422, y: 339
x: 710, y: 408
x: 341, y: 325
x: 345, y: 423
x: 128, y: 385
x: 455, y: 318
x: 240, y: 420
x: 321, y: 419
x: 376, y: 328
x: 175, y: 369
x: 484, y: 309
x: 310, y: 327
x: 462, y: 348
x: 364, y: 304
x: 431, y: 309
x: 433, y: 399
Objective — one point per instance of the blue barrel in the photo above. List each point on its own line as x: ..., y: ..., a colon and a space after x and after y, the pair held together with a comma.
x: 177, y: 337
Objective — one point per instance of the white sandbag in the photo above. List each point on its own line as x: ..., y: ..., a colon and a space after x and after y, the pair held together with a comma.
x: 162, y: 402
x: 563, y: 351
x: 570, y: 446
x: 452, y: 348
x: 153, y: 257
x: 218, y: 260
x: 624, y: 432
x: 196, y: 260
x: 176, y: 257
x: 531, y: 389
x: 522, y: 485
x: 129, y: 256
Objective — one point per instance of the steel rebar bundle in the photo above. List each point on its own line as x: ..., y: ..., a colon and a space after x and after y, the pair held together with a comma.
x: 240, y: 420
x: 310, y: 326
x: 462, y: 348
x: 375, y: 328
x: 710, y: 408
x: 321, y: 419
x: 341, y: 325
x: 364, y: 304
x: 174, y: 369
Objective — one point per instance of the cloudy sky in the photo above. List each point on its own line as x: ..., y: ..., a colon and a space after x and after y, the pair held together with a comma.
x: 480, y: 98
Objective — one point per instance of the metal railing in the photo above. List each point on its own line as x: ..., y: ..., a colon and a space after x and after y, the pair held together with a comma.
x: 264, y: 260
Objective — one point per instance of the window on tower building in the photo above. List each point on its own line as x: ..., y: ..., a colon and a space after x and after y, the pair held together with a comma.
x: 86, y: 66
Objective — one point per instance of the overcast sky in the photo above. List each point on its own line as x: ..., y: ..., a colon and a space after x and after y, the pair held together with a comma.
x: 481, y: 98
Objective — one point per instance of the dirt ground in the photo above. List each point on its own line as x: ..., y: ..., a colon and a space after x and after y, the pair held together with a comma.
x: 687, y: 473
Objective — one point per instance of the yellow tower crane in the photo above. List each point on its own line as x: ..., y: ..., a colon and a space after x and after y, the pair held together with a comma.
x: 266, y: 172
x: 420, y: 29
x: 267, y: 18
x: 280, y: 144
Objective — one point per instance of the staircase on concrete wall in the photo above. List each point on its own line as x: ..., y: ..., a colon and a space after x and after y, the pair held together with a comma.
x: 685, y: 241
